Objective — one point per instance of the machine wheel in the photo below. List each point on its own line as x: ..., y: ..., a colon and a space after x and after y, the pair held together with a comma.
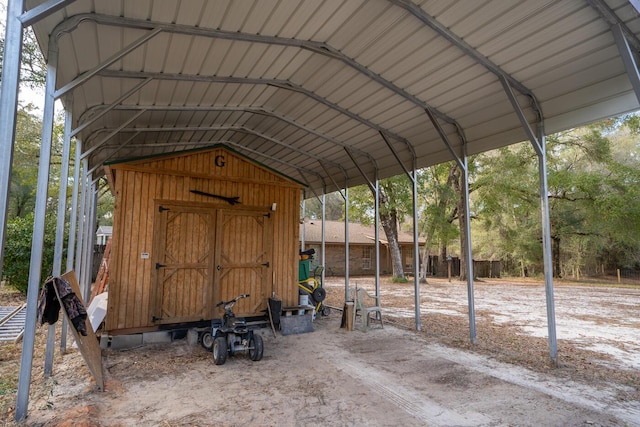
x: 220, y: 350
x: 206, y: 341
x: 256, y: 347
x: 319, y: 294
x: 326, y: 310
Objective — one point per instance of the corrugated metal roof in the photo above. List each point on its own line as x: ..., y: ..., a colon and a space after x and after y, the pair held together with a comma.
x: 295, y: 84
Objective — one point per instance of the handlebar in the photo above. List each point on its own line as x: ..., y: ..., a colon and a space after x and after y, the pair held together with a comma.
x: 239, y: 297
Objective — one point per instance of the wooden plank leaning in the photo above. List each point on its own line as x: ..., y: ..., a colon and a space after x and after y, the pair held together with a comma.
x: 88, y: 345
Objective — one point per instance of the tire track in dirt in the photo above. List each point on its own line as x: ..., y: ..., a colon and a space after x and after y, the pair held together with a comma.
x: 412, y: 402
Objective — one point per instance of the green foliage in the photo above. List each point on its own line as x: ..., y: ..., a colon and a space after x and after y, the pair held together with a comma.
x: 437, y: 204
x: 32, y: 65
x: 594, y: 203
x: 17, y: 251
x: 24, y: 173
x: 334, y: 207
x: 104, y: 214
x: 395, y: 200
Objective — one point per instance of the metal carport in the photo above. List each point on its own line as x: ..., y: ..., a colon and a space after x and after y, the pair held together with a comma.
x: 336, y: 93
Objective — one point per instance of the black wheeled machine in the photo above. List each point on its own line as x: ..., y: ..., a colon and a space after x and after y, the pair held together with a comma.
x: 312, y: 286
x: 231, y: 335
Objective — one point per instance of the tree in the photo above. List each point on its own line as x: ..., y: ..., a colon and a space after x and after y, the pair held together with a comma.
x: 437, y: 210
x: 334, y: 207
x: 32, y: 65
x: 18, y: 250
x: 394, y: 198
x: 24, y: 173
x: 593, y: 200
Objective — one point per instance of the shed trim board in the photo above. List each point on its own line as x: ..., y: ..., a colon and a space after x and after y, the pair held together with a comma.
x: 344, y: 75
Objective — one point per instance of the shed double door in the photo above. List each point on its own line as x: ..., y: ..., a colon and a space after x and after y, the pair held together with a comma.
x: 204, y: 256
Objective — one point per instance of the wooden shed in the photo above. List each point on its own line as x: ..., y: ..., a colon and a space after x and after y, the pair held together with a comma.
x: 194, y: 228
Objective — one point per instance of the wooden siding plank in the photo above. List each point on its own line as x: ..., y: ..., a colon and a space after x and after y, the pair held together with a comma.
x: 135, y: 188
x: 140, y: 284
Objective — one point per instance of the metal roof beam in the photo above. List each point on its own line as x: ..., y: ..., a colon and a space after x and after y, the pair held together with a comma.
x: 106, y: 109
x: 281, y: 84
x: 523, y: 120
x: 371, y: 186
x: 112, y: 133
x: 333, y: 180
x: 233, y: 128
x: 310, y: 45
x: 397, y: 157
x: 452, y: 38
x: 41, y: 11
x: 237, y: 146
x: 275, y: 159
x: 612, y: 19
x: 82, y: 78
x: 252, y: 110
x: 444, y: 138
x: 117, y: 149
x: 628, y: 58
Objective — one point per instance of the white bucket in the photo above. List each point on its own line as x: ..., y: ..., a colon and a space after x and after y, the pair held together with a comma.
x: 303, y: 299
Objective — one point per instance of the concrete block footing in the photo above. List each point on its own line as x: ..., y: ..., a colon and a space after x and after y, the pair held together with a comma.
x: 156, y: 337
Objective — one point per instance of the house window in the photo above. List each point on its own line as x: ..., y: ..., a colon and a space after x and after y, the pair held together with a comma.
x: 366, y: 258
x: 408, y: 258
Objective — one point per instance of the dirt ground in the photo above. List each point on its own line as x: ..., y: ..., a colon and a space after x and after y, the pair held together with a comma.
x: 382, y: 377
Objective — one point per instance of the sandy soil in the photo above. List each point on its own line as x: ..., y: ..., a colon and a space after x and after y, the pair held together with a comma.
x: 383, y: 377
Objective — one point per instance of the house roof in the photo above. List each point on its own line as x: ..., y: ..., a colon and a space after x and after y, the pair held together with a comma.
x: 328, y: 91
x: 358, y: 233
x: 104, y: 230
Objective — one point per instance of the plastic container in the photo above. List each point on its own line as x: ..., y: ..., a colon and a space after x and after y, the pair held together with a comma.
x: 303, y: 300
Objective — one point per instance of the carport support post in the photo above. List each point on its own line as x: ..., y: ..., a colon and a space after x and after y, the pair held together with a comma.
x: 546, y: 242
x: 58, y: 248
x: 8, y: 109
x: 375, y: 189
x: 346, y: 240
x: 304, y: 227
x: 37, y: 245
x: 416, y: 251
x: 323, y: 242
x: 377, y: 238
x: 92, y: 202
x: 81, y: 218
x: 73, y: 230
x: 469, y: 255
x: 412, y: 175
x: 539, y: 143
x: 85, y: 234
x: 464, y: 166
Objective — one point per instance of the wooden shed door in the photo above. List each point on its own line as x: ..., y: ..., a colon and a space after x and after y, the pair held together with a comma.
x: 243, y: 259
x: 183, y: 263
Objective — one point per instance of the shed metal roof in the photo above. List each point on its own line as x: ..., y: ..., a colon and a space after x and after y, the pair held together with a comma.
x: 309, y: 88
